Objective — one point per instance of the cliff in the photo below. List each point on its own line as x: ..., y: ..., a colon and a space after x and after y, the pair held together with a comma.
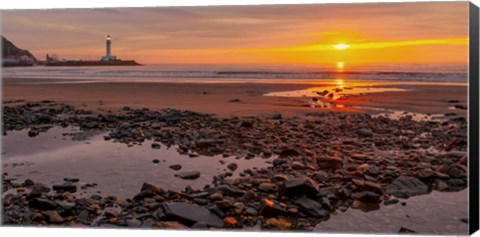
x: 9, y: 50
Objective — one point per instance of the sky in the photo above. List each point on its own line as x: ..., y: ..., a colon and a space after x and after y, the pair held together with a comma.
x: 319, y: 34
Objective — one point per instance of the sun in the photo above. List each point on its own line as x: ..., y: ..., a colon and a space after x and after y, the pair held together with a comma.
x: 341, y: 46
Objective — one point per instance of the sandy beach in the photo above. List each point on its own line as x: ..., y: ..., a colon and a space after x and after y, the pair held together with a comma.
x: 221, y: 99
x: 355, y: 146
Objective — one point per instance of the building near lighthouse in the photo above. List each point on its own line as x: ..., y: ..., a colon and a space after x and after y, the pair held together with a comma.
x: 107, y: 60
x: 108, y: 56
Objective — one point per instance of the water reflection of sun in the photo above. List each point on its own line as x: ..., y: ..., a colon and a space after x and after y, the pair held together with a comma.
x: 340, y: 66
x: 340, y: 83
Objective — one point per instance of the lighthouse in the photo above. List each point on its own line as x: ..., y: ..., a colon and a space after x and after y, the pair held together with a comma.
x: 109, y: 56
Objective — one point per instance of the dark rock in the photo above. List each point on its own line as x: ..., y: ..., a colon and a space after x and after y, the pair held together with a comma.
x: 234, y: 101
x: 299, y: 187
x: 329, y: 162
x: 53, y: 217
x: 65, y: 187
x: 189, y: 214
x: 156, y: 161
x: 311, y: 207
x: 33, y: 133
x: 144, y: 194
x: 189, y: 175
x: 271, y: 208
x: 405, y: 186
x: 153, y: 188
x: 133, y: 223
x: 155, y: 146
x: 405, y: 230
x: 267, y: 187
x: 232, y: 166
x: 175, y: 167
x: 367, y: 196
x: 28, y: 183
x: 288, y: 153
x: 42, y: 204
x: 72, y: 180
x: 365, y: 132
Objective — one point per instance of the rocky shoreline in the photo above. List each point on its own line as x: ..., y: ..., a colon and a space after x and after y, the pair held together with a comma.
x: 322, y: 163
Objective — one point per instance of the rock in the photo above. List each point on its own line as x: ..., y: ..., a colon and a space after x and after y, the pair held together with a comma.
x: 367, y: 196
x: 28, y: 183
x: 329, y: 162
x: 144, y: 194
x: 42, y: 204
x: 53, y: 217
x: 365, y: 132
x: 232, y: 166
x: 371, y: 186
x: 321, y: 176
x: 156, y: 161
x: 189, y: 214
x: 251, y: 211
x: 170, y: 225
x: 71, y: 180
x: 297, y: 165
x: 271, y: 208
x: 267, y: 187
x: 365, y: 206
x: 405, y: 230
x: 155, y: 146
x: 216, y: 196
x: 239, y: 206
x: 230, y: 222
x: 299, y: 187
x: 279, y: 223
x: 311, y: 207
x: 175, y: 167
x: 288, y: 153
x: 234, y: 101
x: 153, y: 188
x: 276, y: 116
x: 33, y: 133
x: 189, y: 175
x: 405, y: 186
x: 65, y: 187
x: 133, y: 223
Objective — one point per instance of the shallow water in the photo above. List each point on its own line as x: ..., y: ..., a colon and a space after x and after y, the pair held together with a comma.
x: 117, y: 169
x: 120, y: 170
x: 435, y: 213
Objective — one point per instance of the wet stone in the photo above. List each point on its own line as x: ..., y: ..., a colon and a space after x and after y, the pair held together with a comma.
x: 405, y: 186
x: 175, y: 167
x: 189, y: 214
x: 133, y: 223
x: 299, y: 187
x: 65, y: 187
x: 42, y: 204
x: 311, y: 207
x: 189, y: 175
x: 232, y: 166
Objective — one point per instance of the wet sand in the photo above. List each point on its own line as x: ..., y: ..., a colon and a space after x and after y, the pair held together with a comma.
x: 216, y: 98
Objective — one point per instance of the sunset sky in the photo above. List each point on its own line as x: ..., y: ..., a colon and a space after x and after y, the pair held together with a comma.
x: 323, y: 34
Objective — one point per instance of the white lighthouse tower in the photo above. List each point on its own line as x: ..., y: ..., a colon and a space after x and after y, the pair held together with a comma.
x: 109, y: 56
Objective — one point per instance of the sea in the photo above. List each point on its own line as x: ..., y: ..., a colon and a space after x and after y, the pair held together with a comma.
x: 456, y: 73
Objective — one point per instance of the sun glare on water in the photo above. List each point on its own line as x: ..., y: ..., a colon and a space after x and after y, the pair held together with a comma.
x: 341, y: 46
